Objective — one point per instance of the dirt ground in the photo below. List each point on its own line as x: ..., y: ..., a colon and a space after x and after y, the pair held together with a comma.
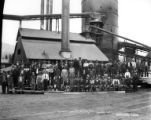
x: 76, y: 106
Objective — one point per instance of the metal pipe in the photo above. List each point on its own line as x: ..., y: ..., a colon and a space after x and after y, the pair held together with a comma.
x: 120, y: 36
x: 50, y: 12
x: 47, y: 12
x: 20, y: 24
x: 44, y: 16
x: 42, y: 13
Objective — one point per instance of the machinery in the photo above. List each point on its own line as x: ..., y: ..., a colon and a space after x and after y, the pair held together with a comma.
x: 109, y: 11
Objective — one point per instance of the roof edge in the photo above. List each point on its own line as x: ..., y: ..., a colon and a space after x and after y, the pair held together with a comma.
x: 84, y: 40
x: 56, y: 40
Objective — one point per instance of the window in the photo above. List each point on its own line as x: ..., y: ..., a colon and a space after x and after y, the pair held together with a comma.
x: 18, y: 51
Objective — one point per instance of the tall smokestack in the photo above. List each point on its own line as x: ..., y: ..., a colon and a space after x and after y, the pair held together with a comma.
x: 42, y: 13
x: 65, y: 45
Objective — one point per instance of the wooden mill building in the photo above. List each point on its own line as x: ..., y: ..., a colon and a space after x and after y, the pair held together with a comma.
x: 33, y: 45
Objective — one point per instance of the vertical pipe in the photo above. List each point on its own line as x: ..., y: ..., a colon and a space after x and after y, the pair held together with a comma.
x: 58, y: 25
x: 47, y: 12
x: 42, y: 13
x: 50, y: 12
x: 65, y: 45
x: 20, y: 24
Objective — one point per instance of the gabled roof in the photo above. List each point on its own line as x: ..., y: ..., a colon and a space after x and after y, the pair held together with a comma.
x: 46, y: 35
x: 36, y: 49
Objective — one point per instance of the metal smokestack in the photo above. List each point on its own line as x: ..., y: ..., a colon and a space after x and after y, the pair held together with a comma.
x: 109, y: 9
x: 42, y: 13
x: 65, y: 45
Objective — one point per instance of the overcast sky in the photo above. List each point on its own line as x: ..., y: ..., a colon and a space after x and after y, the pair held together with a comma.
x: 134, y: 18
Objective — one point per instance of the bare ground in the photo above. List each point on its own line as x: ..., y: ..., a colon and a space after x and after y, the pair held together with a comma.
x: 76, y: 106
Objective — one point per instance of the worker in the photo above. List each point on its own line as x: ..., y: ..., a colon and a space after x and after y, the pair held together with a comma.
x: 127, y: 74
x: 10, y: 82
x: 135, y: 80
x: 116, y: 84
x: 4, y: 83
x: 45, y: 79
x: 33, y: 81
x: 21, y: 81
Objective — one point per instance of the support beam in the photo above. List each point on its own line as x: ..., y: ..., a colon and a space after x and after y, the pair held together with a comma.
x: 45, y: 16
x: 12, y: 17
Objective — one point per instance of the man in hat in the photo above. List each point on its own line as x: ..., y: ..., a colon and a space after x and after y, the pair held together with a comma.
x: 4, y: 82
x: 45, y: 79
x: 64, y: 75
x: 10, y: 82
x: 135, y: 80
x: 116, y: 83
x: 33, y: 81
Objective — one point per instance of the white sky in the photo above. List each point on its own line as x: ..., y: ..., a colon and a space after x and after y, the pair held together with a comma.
x: 134, y: 18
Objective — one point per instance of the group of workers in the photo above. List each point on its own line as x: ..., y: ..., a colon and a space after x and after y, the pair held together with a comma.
x: 74, y: 75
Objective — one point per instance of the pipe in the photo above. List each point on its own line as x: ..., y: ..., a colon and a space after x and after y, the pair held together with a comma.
x: 120, y: 36
x: 50, y: 12
x: 47, y: 12
x: 44, y: 16
x: 42, y: 13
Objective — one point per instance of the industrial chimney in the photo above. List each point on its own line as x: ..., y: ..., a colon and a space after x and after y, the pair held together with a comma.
x: 109, y: 9
x: 65, y: 44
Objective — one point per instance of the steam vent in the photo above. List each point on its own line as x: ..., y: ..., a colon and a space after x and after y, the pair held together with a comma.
x: 108, y: 9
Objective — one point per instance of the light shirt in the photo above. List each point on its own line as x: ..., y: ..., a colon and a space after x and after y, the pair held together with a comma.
x: 37, y: 71
x: 115, y: 82
x: 127, y: 74
x: 146, y: 64
x: 85, y: 64
x: 20, y: 78
x: 129, y: 64
x: 45, y: 76
x: 134, y: 64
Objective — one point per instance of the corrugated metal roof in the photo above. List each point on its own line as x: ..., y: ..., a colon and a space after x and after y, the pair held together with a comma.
x: 43, y: 34
x: 35, y: 49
